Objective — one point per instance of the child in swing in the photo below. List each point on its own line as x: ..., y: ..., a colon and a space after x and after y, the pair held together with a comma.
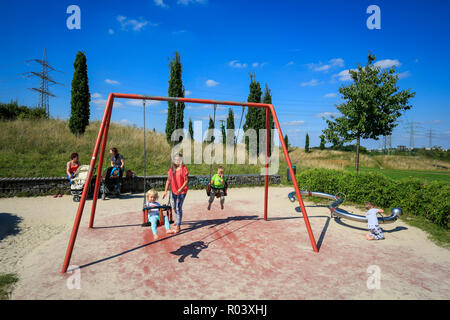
x: 217, y: 187
x: 153, y: 214
x: 375, y: 232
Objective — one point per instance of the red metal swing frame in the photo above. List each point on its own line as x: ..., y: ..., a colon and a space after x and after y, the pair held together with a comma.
x: 102, y: 137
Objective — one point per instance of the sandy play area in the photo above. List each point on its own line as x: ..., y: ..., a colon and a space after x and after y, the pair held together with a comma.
x: 220, y: 254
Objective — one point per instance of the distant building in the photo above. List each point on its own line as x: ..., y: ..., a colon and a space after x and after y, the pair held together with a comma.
x: 401, y: 148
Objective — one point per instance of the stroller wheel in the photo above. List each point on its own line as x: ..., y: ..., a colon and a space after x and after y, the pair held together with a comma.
x: 76, y: 198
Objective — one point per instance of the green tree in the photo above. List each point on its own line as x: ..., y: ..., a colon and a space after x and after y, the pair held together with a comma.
x: 286, y: 141
x: 372, y: 106
x: 230, y: 122
x: 80, y: 96
x: 175, y: 111
x: 191, y: 129
x: 268, y: 100
x: 322, y: 142
x: 307, y: 143
x: 252, y: 118
x: 210, y: 136
x: 222, y: 130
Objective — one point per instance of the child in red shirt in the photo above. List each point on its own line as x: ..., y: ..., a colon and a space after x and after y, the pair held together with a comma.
x: 178, y: 180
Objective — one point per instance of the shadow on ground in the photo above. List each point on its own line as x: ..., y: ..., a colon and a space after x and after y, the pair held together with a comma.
x: 9, y: 225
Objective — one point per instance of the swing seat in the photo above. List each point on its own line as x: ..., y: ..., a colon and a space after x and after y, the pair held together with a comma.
x: 224, y: 190
x: 162, y: 209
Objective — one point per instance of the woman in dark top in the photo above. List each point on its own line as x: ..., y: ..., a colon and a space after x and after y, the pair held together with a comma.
x: 117, y: 161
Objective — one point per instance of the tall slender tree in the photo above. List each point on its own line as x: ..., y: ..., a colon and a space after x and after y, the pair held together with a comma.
x: 80, y: 96
x: 307, y: 143
x: 175, y: 111
x: 322, y: 142
x: 230, y: 122
x: 252, y: 118
x: 268, y: 100
x: 191, y: 129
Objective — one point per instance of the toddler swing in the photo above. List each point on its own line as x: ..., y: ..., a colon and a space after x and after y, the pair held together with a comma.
x: 167, y: 209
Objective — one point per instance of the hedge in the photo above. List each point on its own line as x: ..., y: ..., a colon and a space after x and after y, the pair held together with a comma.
x: 415, y: 197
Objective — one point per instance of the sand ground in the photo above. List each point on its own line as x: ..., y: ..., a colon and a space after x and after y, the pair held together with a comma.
x: 220, y: 254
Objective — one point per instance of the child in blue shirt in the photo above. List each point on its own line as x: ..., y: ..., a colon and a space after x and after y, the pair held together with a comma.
x: 153, y: 214
x: 375, y: 232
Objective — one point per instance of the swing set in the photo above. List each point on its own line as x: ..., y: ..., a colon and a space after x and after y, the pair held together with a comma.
x: 100, y: 147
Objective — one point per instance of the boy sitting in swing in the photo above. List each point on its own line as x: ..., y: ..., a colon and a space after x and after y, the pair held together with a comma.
x: 218, y: 186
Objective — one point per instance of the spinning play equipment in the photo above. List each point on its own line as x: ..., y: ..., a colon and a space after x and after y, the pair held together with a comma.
x: 100, y: 146
x: 337, y: 212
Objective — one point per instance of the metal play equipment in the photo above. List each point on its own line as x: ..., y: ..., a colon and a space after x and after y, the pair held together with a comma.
x: 100, y: 146
x: 337, y: 212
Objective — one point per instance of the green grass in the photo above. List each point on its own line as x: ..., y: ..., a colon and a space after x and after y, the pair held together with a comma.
x: 396, y: 174
x: 6, y: 283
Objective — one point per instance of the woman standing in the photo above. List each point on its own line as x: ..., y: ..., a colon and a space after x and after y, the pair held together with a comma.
x: 118, y: 162
x: 178, y: 180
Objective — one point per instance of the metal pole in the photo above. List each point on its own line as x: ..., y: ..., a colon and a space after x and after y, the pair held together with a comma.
x: 76, y: 223
x: 266, y: 177
x: 100, y: 168
x: 294, y: 180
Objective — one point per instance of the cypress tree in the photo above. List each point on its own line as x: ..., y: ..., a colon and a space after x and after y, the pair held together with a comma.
x: 191, y: 129
x: 252, y: 118
x: 230, y: 121
x: 210, y: 137
x: 268, y: 100
x: 286, y: 141
x: 307, y: 143
x: 80, y: 96
x: 175, y: 111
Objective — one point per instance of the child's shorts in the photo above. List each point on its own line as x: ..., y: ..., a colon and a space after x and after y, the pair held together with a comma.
x: 214, y: 193
x: 377, y: 232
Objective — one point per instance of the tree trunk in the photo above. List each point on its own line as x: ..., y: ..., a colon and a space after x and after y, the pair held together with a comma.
x: 357, y: 154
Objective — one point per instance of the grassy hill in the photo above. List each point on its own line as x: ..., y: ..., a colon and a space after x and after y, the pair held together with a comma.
x: 41, y: 148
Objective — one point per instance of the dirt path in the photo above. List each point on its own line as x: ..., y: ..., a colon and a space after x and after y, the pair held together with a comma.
x: 229, y: 254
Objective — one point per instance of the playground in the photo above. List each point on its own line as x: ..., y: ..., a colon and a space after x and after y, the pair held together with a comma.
x: 219, y: 254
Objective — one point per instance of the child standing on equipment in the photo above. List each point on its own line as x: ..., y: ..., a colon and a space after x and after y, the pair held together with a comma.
x: 178, y: 181
x: 217, y: 187
x: 153, y: 214
x: 375, y: 232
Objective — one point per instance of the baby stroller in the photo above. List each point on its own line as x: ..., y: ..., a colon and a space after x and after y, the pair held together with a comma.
x: 111, y: 178
x: 78, y: 180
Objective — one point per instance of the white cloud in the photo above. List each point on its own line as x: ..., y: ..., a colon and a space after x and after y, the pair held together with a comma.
x: 111, y: 31
x: 327, y: 114
x: 99, y: 102
x: 237, y: 64
x: 187, y: 93
x: 139, y: 102
x: 257, y: 64
x: 330, y: 95
x: 344, y: 75
x: 293, y: 123
x: 387, y: 63
x: 403, y: 75
x: 125, y: 122
x: 160, y: 3
x: 335, y: 62
x: 339, y: 62
x: 211, y: 83
x: 290, y: 63
x: 311, y: 83
x: 96, y: 95
x: 135, y: 25
x: 178, y: 32
x: 109, y: 81
x: 187, y: 2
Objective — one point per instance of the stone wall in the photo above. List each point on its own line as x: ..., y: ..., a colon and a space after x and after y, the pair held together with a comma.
x: 10, y: 187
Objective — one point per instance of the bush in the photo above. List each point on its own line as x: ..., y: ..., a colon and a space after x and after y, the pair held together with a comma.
x: 12, y: 111
x: 415, y: 197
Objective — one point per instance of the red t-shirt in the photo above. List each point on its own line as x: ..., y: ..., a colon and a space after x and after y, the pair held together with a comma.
x: 179, y: 177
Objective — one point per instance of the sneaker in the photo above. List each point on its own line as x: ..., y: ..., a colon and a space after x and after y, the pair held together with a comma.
x: 370, y: 237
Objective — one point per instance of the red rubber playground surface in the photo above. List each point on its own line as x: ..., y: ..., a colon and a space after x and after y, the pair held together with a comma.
x: 235, y: 254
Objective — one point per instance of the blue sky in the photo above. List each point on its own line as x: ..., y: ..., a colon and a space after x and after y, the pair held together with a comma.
x: 301, y: 49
